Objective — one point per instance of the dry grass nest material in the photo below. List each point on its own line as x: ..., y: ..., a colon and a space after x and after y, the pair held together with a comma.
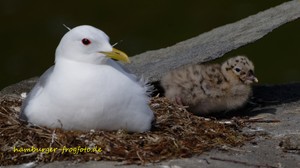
x: 176, y: 134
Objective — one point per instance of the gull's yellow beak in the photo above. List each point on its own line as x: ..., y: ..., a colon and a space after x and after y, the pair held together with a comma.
x: 118, y: 55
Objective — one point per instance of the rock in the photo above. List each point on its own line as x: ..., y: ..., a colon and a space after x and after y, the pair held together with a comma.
x: 15, y: 91
x: 282, y: 104
x: 291, y: 143
x: 215, y: 43
x: 205, y: 47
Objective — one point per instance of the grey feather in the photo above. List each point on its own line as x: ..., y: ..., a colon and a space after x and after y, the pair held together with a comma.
x: 122, y: 69
x: 142, y: 81
x: 38, y: 86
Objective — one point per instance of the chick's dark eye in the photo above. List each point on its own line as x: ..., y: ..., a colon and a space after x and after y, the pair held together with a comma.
x: 237, y: 69
x: 86, y: 41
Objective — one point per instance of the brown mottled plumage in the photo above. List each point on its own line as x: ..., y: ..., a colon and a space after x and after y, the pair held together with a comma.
x: 207, y: 89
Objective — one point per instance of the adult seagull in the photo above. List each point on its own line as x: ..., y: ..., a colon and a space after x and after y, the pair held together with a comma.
x: 86, y: 89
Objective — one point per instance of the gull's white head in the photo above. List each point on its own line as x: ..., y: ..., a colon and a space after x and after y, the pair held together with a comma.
x: 87, y: 44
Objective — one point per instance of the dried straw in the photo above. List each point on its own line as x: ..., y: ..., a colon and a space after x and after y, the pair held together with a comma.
x: 176, y: 134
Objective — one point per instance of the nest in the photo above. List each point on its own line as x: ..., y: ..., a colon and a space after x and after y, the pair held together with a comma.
x: 176, y: 134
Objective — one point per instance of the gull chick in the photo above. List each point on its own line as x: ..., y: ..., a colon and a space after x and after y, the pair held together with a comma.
x: 86, y: 89
x: 211, y: 88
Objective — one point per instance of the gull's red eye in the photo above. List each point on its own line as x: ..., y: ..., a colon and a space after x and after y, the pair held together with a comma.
x: 86, y: 41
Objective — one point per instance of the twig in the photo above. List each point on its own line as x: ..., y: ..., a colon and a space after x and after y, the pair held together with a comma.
x: 52, y: 138
x: 261, y: 121
x: 29, y: 154
x: 241, y: 162
x: 294, y: 151
x: 141, y: 159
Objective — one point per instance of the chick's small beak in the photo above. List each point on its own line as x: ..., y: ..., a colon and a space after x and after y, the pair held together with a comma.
x: 252, y: 78
x: 255, y: 79
x: 117, y: 54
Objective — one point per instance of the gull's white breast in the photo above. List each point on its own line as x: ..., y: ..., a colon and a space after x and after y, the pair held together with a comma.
x: 89, y: 96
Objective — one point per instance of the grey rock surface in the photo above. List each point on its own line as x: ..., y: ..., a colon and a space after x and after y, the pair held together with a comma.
x: 215, y: 43
x: 276, y: 144
x: 16, y: 89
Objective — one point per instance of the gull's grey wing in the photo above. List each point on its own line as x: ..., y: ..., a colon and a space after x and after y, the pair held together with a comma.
x: 142, y: 81
x: 122, y: 69
x: 35, y: 91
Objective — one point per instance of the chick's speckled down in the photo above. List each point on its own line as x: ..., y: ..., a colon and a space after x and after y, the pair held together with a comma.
x: 211, y: 88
